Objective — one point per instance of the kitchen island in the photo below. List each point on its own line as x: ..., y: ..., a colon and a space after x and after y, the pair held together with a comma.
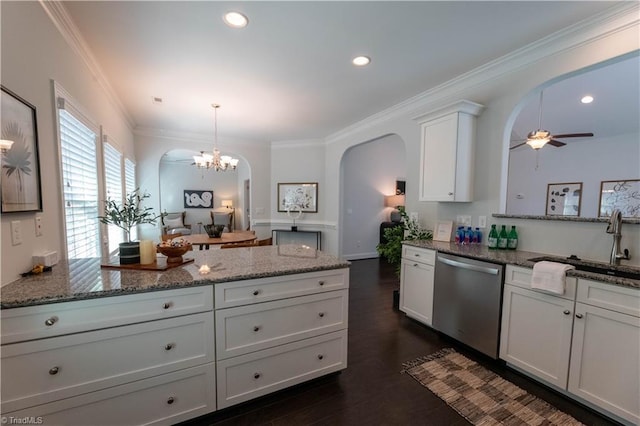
x: 87, y: 345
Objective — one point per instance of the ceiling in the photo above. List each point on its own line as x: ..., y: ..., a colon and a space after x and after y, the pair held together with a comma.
x: 288, y: 74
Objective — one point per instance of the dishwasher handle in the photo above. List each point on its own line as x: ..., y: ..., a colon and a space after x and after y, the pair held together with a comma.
x: 462, y: 265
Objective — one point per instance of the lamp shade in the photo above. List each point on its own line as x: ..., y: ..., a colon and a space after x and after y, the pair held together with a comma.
x: 394, y: 201
x: 227, y: 203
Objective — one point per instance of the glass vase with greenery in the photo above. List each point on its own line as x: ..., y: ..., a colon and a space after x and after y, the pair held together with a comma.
x: 407, y: 229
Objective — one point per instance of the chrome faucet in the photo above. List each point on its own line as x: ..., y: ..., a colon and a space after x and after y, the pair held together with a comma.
x: 614, y: 227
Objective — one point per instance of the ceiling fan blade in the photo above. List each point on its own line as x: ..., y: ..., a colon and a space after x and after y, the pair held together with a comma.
x: 556, y: 143
x: 573, y: 135
x: 515, y: 146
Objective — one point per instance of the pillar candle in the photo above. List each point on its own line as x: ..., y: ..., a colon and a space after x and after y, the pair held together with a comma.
x: 147, y: 252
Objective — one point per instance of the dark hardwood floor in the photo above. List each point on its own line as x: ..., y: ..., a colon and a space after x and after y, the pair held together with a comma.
x: 371, y: 391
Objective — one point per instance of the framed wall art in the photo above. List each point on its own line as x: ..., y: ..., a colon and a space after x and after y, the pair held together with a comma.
x: 21, y: 185
x: 563, y: 199
x: 623, y: 195
x: 197, y: 199
x: 302, y: 195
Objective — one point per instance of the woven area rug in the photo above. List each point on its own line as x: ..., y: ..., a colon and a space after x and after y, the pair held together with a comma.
x: 480, y: 395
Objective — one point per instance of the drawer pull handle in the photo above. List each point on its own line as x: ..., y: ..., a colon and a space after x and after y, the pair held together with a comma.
x: 321, y: 314
x: 256, y: 375
x: 167, y: 305
x: 49, y: 322
x: 578, y: 315
x: 171, y: 400
x: 169, y: 346
x: 320, y: 357
x: 416, y: 254
x: 321, y: 282
x: 415, y: 265
x: 53, y: 371
x: 256, y: 328
x: 256, y: 292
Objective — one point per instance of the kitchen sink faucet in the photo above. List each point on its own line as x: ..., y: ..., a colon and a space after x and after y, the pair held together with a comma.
x: 615, y: 227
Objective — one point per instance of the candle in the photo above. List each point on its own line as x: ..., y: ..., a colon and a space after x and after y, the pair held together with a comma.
x: 147, y: 252
x: 204, y: 270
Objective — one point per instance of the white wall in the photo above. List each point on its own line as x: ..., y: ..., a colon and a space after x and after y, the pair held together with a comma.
x: 33, y: 54
x: 369, y: 171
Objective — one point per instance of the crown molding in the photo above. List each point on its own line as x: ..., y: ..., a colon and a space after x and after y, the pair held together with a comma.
x: 303, y: 143
x: 72, y: 35
x: 191, y: 137
x: 616, y: 19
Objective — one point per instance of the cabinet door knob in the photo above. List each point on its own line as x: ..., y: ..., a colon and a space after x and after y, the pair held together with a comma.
x: 50, y: 321
x: 566, y: 312
x: 169, y: 346
x: 451, y: 193
x: 415, y: 265
x: 321, y: 314
x: 166, y: 305
x: 256, y: 292
x: 171, y: 400
x: 321, y: 282
x: 256, y: 375
x: 320, y: 356
x: 54, y: 370
x: 578, y: 315
x: 256, y: 328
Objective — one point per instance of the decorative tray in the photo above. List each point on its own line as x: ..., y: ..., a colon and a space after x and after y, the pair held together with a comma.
x: 159, y: 265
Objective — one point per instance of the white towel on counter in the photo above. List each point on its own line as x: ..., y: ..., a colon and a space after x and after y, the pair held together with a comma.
x: 550, y: 276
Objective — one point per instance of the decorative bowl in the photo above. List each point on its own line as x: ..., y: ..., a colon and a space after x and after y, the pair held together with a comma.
x: 214, y: 231
x: 174, y: 252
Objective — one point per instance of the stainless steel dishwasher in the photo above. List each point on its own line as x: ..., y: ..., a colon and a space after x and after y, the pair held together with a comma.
x: 467, y: 301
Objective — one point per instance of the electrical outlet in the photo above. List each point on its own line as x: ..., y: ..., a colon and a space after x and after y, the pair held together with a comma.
x: 38, y: 226
x: 259, y: 211
x: 482, y: 222
x: 16, y: 232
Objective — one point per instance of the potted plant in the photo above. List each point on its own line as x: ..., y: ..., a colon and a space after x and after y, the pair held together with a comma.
x: 125, y: 216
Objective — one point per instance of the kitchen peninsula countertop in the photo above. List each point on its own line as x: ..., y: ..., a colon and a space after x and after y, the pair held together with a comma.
x: 518, y: 258
x: 84, y: 278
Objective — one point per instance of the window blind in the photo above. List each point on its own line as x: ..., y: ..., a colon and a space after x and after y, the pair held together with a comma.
x: 113, y: 181
x: 80, y: 186
x: 130, y: 186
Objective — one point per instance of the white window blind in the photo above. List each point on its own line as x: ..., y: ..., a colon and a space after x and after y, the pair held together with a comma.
x: 113, y: 180
x: 80, y: 186
x: 130, y: 186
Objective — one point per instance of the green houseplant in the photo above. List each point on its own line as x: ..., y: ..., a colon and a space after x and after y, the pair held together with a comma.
x: 125, y: 216
x: 410, y: 230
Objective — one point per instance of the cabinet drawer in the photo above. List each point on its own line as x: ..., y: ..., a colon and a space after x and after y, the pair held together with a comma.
x: 416, y: 254
x: 608, y: 296
x: 262, y: 290
x: 251, y: 328
x: 35, y: 322
x: 521, y: 277
x: 249, y: 376
x: 165, y: 399
x: 45, y: 370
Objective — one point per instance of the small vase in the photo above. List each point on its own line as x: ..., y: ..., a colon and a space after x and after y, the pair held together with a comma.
x: 130, y: 253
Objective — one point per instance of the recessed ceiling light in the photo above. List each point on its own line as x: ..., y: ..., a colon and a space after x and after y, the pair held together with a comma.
x: 236, y: 19
x: 587, y: 99
x: 361, y: 61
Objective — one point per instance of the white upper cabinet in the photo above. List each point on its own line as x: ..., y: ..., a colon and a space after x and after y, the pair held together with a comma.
x: 447, y: 152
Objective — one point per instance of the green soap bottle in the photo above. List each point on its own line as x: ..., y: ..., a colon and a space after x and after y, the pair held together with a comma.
x: 503, y: 238
x: 512, y: 239
x: 492, y: 238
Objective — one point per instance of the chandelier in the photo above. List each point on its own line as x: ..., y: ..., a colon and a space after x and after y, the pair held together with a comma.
x: 219, y: 163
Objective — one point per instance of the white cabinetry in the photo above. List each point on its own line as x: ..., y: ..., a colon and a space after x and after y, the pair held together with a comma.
x: 586, y: 342
x: 92, y: 354
x: 447, y: 152
x: 276, y: 332
x: 416, y: 283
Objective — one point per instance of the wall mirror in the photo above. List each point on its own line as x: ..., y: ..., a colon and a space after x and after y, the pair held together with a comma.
x: 541, y: 181
x: 185, y: 187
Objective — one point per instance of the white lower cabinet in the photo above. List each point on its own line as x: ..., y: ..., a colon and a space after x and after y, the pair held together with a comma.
x: 586, y: 342
x: 416, y: 283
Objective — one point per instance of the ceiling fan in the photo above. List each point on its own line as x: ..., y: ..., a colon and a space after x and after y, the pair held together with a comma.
x: 538, y: 138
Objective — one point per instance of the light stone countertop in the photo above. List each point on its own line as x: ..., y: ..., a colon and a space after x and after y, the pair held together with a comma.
x: 85, y: 279
x: 520, y: 258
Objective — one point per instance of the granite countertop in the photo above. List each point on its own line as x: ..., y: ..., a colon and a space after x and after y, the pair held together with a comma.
x: 85, y: 279
x: 519, y: 258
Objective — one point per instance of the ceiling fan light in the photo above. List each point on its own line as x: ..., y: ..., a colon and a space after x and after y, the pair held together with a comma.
x: 538, y: 138
x: 537, y: 143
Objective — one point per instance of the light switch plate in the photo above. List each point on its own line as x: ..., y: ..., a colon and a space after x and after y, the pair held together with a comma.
x: 482, y: 221
x: 16, y: 232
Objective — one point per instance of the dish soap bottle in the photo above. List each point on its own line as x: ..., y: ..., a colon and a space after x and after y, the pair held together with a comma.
x: 492, y: 239
x: 512, y: 239
x: 503, y: 238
